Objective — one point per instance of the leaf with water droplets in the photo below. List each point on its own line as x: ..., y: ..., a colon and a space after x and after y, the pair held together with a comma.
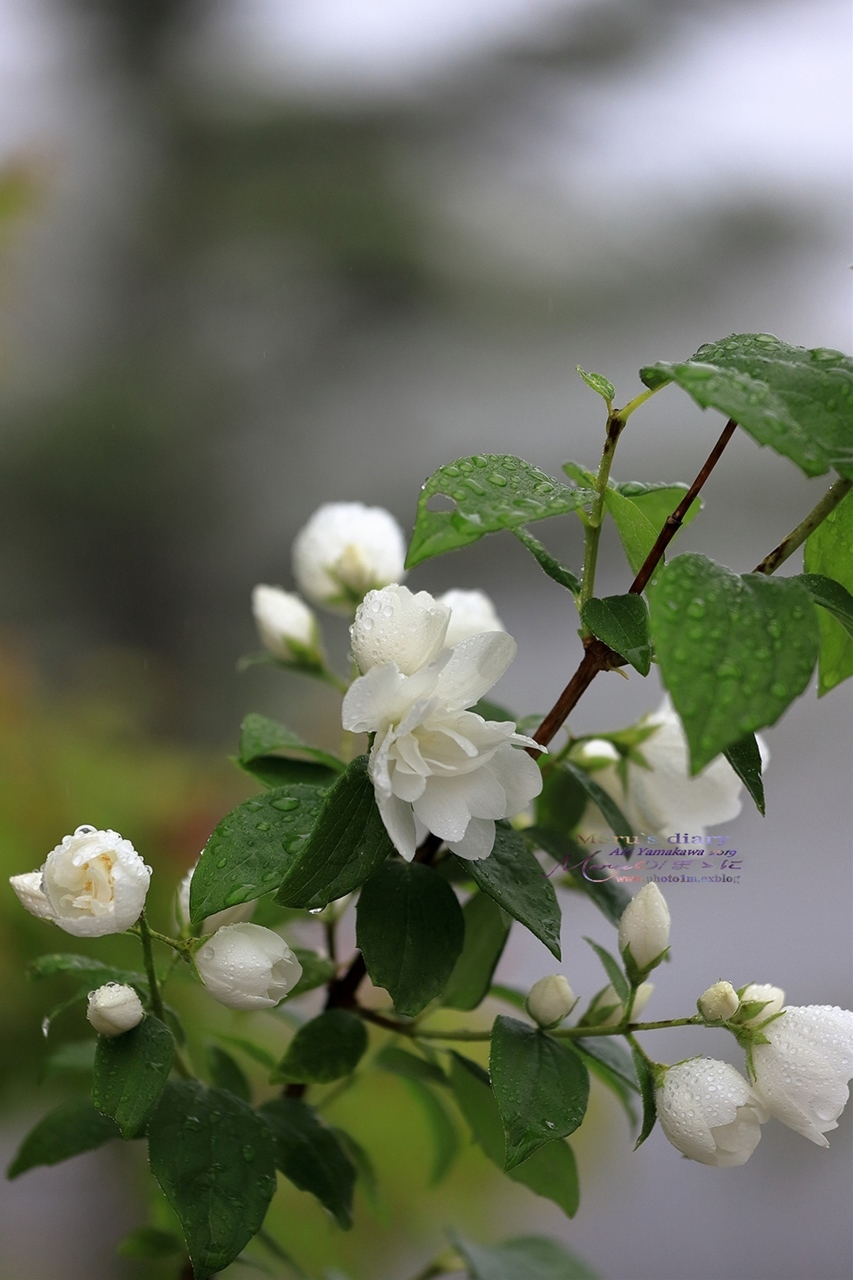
x: 84, y: 969
x: 250, y: 849
x: 551, y: 1171
x: 214, y: 1159
x: 483, y: 494
x: 541, y: 1087
x: 734, y: 651
x: 347, y: 844
x: 829, y: 552
x: 68, y: 1130
x: 622, y: 622
x: 513, y: 878
x: 326, y: 1048
x: 410, y: 931
x: 311, y: 1157
x: 130, y: 1072
x: 551, y: 565
x: 526, y: 1258
x: 797, y: 400
x: 599, y: 384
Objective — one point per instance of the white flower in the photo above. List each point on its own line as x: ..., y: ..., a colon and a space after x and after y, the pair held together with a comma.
x: 92, y: 884
x: 801, y: 1075
x: 471, y: 613
x: 434, y: 760
x: 114, y: 1009
x: 608, y: 998
x: 287, y: 627
x: 229, y: 915
x: 393, y: 625
x: 708, y: 1111
x: 344, y: 550
x: 550, y: 1000
x: 644, y: 927
x: 719, y: 1002
x: 664, y: 799
x: 596, y: 753
x: 31, y: 895
x: 245, y: 966
x: 772, y: 998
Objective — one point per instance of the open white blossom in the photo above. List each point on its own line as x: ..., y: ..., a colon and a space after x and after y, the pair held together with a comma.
x: 287, y: 627
x: 550, y: 1000
x: 772, y: 998
x: 644, y: 927
x: 664, y: 799
x: 708, y: 1111
x: 245, y: 966
x: 395, y: 625
x: 229, y: 915
x: 114, y: 1009
x: 93, y: 883
x: 802, y: 1075
x: 471, y: 613
x: 346, y: 549
x: 433, y: 759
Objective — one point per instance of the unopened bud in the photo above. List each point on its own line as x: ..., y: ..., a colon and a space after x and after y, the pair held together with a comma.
x: 772, y: 999
x: 550, y: 1001
x: 644, y: 928
x: 287, y: 627
x: 719, y: 1003
x: 114, y: 1009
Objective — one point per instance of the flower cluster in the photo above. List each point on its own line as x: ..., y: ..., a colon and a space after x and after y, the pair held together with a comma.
x: 434, y: 761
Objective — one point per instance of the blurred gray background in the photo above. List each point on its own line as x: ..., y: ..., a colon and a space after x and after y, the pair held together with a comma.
x: 278, y: 252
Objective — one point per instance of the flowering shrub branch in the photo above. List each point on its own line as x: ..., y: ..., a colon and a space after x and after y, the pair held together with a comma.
x: 440, y: 834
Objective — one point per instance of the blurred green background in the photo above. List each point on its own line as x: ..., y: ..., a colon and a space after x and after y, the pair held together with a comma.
x: 263, y: 254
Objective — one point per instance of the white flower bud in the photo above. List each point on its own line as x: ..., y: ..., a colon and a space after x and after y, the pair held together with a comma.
x: 287, y: 627
x: 94, y: 882
x: 245, y: 966
x: 471, y: 613
x: 229, y: 915
x: 801, y: 1075
x: 596, y: 753
x: 773, y: 998
x: 393, y: 625
x: 114, y: 1009
x: 31, y: 895
x: 708, y: 1111
x: 608, y: 997
x: 719, y: 1003
x: 550, y: 1001
x: 345, y: 550
x: 644, y: 927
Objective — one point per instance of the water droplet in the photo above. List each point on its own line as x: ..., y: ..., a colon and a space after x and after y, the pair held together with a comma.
x: 779, y: 690
x: 262, y: 826
x: 497, y: 479
x: 286, y: 804
x: 85, y: 830
x: 696, y: 609
x: 315, y: 911
x: 220, y: 863
x: 465, y: 467
x: 450, y: 470
x: 45, y: 1027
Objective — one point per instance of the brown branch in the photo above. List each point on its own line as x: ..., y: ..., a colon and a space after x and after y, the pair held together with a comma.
x: 599, y: 656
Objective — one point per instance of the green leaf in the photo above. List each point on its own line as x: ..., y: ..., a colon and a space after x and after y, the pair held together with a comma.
x: 622, y: 622
x: 486, y: 931
x: 251, y: 1050
x: 513, y: 878
x: 68, y: 1130
x: 326, y: 1048
x: 311, y: 1157
x: 487, y: 492
x: 509, y: 995
x: 562, y: 800
x: 527, y: 1258
x: 280, y: 771
x: 260, y: 736
x: 827, y: 552
x: 248, y: 852
x: 130, y: 1072
x: 647, y: 1093
x: 214, y: 1159
x: 551, y: 565
x: 226, y: 1073
x: 348, y: 843
x: 408, y: 1065
x: 85, y: 970
x: 317, y: 970
x: 410, y: 931
x: 551, y: 1171
x: 588, y: 876
x: 734, y: 651
x: 77, y: 1055
x: 797, y: 400
x: 610, y: 811
x: 584, y: 479
x: 150, y: 1242
x: 443, y: 1131
x: 612, y: 1079
x: 636, y: 532
x: 613, y: 971
x: 657, y: 502
x: 596, y: 382
x: 540, y: 1084
x: 745, y: 758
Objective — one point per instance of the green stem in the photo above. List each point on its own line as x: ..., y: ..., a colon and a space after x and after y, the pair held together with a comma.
x: 624, y: 414
x: 615, y: 423
x: 830, y: 500
x: 415, y: 1032
x: 145, y: 936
